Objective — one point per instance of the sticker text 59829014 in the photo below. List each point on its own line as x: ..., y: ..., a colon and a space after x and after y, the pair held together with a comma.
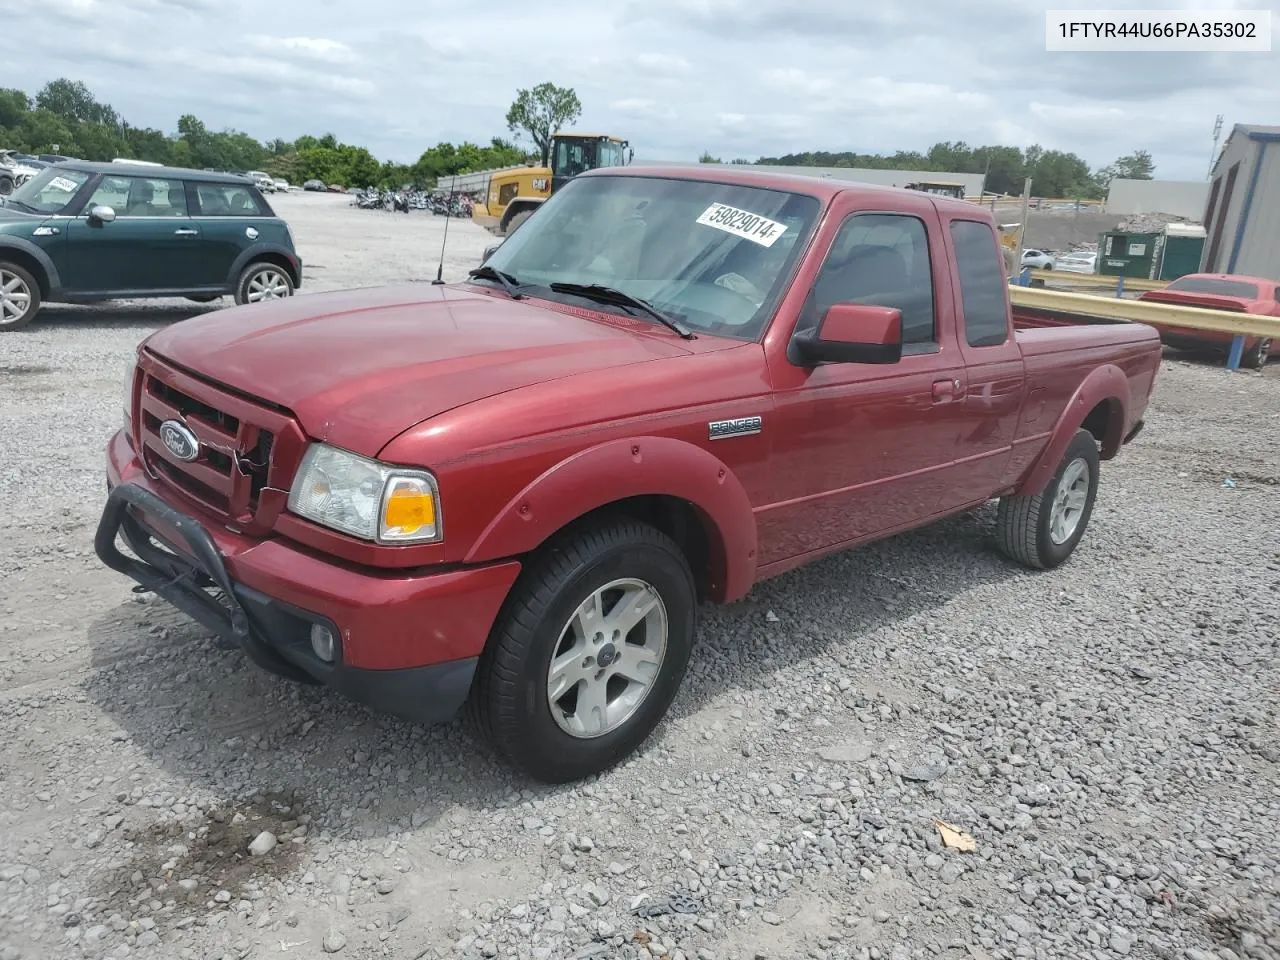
x: 742, y: 223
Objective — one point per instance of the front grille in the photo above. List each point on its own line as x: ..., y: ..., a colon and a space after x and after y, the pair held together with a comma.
x: 237, y: 441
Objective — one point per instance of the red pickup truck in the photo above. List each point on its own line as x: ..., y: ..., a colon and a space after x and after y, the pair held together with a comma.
x: 667, y: 386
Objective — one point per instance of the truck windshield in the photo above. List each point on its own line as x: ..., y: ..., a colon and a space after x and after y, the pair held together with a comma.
x: 48, y: 191
x: 1214, y: 285
x: 714, y: 256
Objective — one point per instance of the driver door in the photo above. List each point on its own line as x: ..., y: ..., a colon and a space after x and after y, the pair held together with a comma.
x: 861, y: 449
x: 150, y: 246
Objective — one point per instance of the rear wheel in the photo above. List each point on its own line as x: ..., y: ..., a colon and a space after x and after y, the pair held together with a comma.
x: 1043, y: 529
x: 19, y: 296
x: 6, y: 185
x: 263, y: 281
x: 589, y: 651
x: 1255, y: 358
x: 516, y: 220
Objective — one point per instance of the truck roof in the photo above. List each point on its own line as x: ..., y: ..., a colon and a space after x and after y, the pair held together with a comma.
x: 824, y: 188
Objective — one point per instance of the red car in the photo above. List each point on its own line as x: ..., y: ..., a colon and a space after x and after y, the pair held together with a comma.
x: 665, y: 387
x: 1221, y: 291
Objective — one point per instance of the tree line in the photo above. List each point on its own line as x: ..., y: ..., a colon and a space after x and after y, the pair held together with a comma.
x: 65, y: 117
x: 1053, y: 173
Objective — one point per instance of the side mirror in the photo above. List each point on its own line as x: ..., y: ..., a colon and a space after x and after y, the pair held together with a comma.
x: 100, y: 213
x: 852, y: 333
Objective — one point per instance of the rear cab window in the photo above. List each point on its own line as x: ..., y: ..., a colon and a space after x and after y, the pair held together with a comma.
x: 228, y: 200
x: 982, y: 283
x: 1216, y: 286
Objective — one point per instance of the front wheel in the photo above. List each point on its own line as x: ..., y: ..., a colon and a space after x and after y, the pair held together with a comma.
x: 588, y: 653
x: 263, y: 281
x: 19, y: 296
x: 1255, y: 358
x: 1043, y: 529
x: 516, y: 220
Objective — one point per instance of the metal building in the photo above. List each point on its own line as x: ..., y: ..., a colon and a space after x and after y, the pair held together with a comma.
x: 1243, y: 212
x: 1182, y: 198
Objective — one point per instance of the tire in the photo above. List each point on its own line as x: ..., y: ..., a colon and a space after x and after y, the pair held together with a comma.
x: 1025, y: 525
x: 19, y: 296
x: 6, y: 186
x: 1255, y: 358
x: 516, y: 220
x: 511, y: 700
x: 263, y: 281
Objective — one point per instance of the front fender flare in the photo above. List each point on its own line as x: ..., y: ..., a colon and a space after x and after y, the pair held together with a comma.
x: 1107, y: 382
x: 633, y: 467
x: 26, y: 246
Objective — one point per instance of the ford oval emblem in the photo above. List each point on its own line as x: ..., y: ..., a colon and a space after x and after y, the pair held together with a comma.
x: 180, y: 441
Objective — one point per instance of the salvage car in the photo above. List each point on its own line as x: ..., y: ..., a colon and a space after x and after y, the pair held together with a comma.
x: 1220, y: 291
x: 513, y: 493
x: 82, y: 232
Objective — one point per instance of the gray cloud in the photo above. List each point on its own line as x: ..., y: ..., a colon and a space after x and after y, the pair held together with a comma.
x: 739, y: 78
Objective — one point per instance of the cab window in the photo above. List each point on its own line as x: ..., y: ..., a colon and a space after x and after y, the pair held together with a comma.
x: 983, y: 287
x: 227, y: 200
x: 140, y: 197
x: 879, y: 259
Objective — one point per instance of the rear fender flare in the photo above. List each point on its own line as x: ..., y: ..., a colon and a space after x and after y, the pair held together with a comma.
x: 257, y: 252
x: 1107, y: 382
x: 51, y: 277
x: 634, y: 467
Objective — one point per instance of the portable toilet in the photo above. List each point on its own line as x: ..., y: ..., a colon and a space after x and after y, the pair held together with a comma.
x: 1181, y: 246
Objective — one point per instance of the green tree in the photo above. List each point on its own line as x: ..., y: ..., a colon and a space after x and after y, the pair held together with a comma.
x: 541, y: 111
x: 14, y: 105
x: 708, y: 158
x: 74, y: 102
x: 1134, y: 166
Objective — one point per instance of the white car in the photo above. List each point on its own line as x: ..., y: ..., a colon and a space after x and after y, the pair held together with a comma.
x: 262, y: 181
x: 1037, y: 259
x: 1078, y: 263
x: 281, y: 184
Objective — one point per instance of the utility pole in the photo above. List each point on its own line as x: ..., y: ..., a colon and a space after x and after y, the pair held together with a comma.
x: 1217, y: 135
x: 1022, y: 228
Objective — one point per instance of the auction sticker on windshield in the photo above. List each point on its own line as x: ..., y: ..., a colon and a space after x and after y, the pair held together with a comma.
x: 63, y: 184
x: 742, y: 223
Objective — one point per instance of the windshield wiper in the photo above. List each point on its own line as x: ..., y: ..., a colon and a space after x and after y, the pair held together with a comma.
x: 508, y: 281
x: 603, y: 294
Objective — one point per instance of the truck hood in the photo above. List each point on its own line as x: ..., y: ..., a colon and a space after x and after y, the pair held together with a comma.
x: 361, y: 366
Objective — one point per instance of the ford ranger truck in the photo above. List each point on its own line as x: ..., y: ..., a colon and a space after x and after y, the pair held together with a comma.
x: 514, y: 493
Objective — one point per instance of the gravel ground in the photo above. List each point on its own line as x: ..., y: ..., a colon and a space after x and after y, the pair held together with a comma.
x: 1106, y: 733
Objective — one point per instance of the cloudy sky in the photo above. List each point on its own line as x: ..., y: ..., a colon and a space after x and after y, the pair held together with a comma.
x: 739, y: 78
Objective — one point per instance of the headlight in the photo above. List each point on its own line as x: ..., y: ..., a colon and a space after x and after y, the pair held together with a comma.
x: 365, y: 498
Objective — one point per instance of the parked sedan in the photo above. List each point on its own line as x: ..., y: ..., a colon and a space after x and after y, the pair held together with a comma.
x: 1221, y: 291
x: 314, y: 186
x: 82, y: 232
x: 1078, y: 263
x: 1037, y: 259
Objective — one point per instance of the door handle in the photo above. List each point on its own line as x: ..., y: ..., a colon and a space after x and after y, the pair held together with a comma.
x: 944, y: 391
x: 182, y: 232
